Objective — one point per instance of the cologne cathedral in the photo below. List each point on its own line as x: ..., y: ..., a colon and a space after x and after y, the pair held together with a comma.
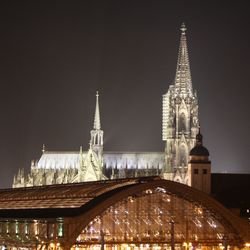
x: 180, y: 126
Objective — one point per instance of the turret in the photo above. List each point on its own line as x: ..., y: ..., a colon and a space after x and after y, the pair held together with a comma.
x: 199, y: 167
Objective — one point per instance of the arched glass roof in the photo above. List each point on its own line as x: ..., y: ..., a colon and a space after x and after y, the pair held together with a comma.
x: 153, y: 216
x: 126, y: 211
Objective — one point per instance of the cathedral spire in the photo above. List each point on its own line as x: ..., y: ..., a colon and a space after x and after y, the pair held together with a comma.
x: 96, y: 141
x: 97, y: 120
x: 183, y: 80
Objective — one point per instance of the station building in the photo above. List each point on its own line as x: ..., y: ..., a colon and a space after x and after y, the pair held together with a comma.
x: 135, y: 213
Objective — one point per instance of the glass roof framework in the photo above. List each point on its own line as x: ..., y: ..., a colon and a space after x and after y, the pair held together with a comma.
x: 154, y: 217
x: 147, y: 209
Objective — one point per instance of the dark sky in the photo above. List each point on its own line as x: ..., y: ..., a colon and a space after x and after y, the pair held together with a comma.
x: 53, y: 57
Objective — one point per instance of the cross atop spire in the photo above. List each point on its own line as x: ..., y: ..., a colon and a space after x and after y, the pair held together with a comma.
x: 97, y: 121
x: 183, y: 28
x: 183, y: 80
x: 43, y: 149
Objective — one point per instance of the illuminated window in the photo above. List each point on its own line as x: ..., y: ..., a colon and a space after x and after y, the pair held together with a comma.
x: 60, y: 227
x: 7, y: 227
x: 51, y: 230
x: 36, y: 227
x: 17, y: 228
x: 26, y: 228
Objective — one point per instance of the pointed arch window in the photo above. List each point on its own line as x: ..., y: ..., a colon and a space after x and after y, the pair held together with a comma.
x: 182, y: 122
x: 183, y: 155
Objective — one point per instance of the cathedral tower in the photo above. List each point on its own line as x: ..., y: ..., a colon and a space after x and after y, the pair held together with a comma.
x: 179, y: 117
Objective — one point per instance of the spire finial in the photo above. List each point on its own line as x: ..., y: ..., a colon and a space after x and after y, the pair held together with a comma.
x: 43, y: 148
x: 97, y: 121
x: 199, y: 139
x: 183, y: 28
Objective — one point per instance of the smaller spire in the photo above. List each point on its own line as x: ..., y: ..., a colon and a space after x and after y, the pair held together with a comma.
x: 199, y: 149
x: 199, y: 138
x: 183, y: 28
x: 97, y: 121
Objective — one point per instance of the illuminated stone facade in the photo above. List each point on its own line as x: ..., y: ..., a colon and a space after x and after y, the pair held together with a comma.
x: 180, y: 122
x: 179, y: 129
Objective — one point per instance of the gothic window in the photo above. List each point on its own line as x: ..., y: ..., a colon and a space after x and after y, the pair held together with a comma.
x: 182, y: 122
x: 183, y: 156
x: 60, y: 229
x: 194, y: 121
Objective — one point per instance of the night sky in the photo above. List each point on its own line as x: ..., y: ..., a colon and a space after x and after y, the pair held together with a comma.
x: 53, y: 58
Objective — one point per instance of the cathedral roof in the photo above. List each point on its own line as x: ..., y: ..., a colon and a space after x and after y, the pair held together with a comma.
x: 58, y: 160
x: 132, y: 160
x: 65, y: 160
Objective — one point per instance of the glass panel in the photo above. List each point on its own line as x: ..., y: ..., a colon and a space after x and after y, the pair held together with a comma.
x: 154, y: 218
